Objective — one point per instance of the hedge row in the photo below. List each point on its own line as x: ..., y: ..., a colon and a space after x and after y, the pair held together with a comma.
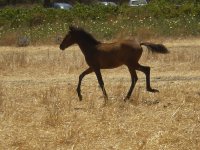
x: 165, y: 19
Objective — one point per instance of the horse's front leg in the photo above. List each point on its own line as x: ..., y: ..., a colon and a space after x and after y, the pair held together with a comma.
x: 87, y: 71
x: 101, y: 83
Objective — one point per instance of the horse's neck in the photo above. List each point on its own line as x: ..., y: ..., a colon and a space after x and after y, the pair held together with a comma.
x: 86, y: 48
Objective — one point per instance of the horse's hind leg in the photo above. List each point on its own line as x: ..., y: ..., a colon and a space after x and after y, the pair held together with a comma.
x: 146, y: 71
x: 134, y: 79
x: 101, y: 83
x: 88, y: 71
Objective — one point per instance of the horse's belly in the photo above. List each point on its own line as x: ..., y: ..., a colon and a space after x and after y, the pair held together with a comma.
x: 110, y: 63
x: 116, y: 58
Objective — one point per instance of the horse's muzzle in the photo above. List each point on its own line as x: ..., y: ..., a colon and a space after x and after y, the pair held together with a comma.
x: 62, y: 48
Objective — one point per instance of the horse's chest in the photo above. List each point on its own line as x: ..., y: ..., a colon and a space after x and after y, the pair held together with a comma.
x: 90, y: 59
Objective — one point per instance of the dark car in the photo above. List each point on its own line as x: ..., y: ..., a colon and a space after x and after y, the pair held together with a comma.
x: 137, y: 2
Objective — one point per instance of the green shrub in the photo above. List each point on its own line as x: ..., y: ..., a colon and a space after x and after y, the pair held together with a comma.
x: 44, y: 25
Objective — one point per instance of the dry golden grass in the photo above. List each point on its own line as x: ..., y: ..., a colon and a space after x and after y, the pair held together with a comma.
x: 39, y: 107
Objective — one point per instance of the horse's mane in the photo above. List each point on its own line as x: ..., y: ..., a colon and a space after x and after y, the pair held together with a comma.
x: 87, y: 36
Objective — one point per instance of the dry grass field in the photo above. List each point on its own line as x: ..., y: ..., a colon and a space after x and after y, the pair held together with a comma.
x: 39, y: 107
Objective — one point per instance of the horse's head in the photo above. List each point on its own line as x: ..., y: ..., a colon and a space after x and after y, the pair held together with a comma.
x: 69, y: 39
x: 79, y: 36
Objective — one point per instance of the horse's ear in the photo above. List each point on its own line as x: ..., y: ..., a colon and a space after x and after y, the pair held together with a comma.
x: 72, y: 28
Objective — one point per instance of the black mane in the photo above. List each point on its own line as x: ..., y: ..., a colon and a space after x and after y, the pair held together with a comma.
x: 87, y: 36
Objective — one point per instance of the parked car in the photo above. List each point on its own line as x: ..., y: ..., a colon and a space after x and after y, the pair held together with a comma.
x: 137, y: 2
x: 61, y: 6
x: 106, y: 3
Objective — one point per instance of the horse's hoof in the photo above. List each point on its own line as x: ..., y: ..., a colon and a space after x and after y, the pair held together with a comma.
x: 105, y: 97
x: 126, y: 98
x: 153, y: 90
x: 80, y: 98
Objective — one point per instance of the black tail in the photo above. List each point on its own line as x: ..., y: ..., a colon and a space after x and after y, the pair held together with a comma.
x: 158, y: 48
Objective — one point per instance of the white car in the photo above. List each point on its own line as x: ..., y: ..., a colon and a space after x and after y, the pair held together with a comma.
x: 61, y: 6
x: 108, y: 3
x: 137, y: 2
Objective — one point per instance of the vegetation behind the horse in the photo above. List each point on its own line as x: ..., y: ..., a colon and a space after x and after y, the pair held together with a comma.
x: 41, y: 25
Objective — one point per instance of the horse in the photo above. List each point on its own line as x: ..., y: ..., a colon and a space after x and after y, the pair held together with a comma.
x: 99, y: 55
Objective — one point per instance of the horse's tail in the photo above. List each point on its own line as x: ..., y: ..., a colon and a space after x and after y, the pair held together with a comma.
x: 157, y: 48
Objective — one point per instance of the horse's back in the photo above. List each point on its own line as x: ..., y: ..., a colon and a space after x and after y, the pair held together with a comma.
x: 120, y: 46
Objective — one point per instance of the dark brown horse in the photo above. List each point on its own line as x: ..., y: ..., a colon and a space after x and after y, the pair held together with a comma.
x: 110, y: 55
